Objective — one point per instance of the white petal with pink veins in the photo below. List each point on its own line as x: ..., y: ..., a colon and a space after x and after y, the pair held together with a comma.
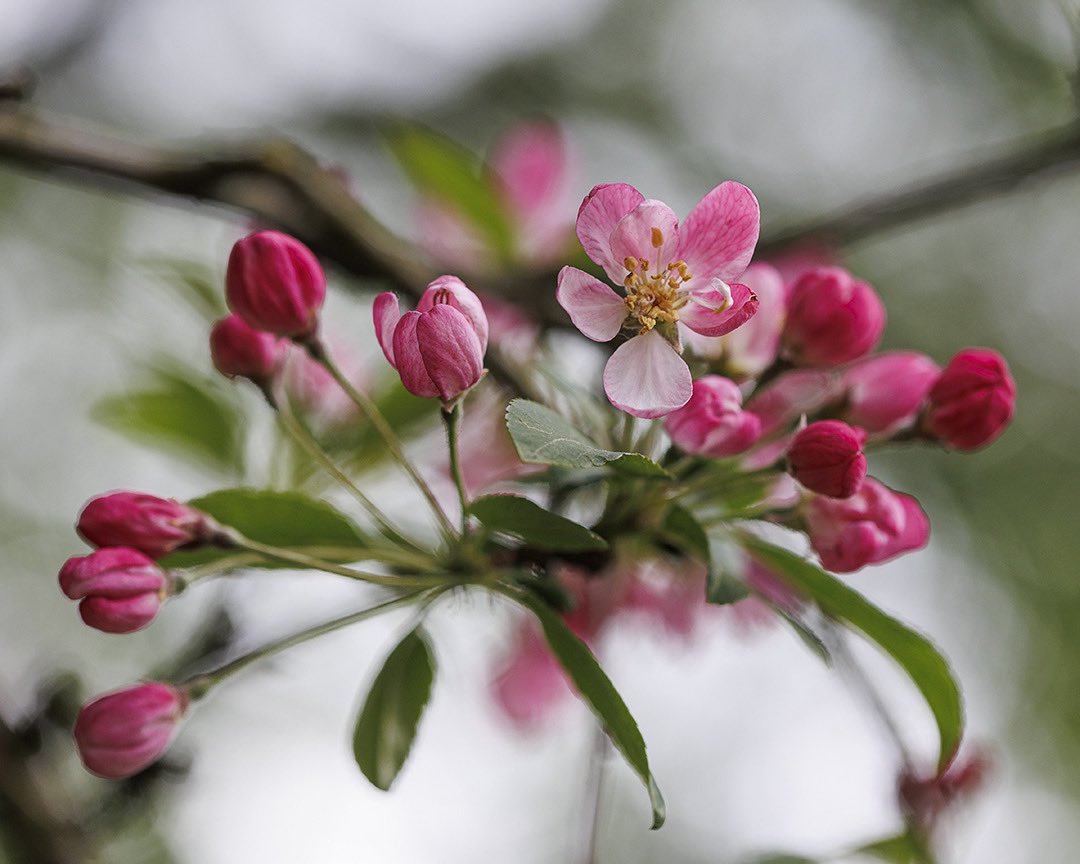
x: 646, y: 377
x: 596, y: 310
x: 718, y: 238
x: 649, y: 231
x: 597, y: 217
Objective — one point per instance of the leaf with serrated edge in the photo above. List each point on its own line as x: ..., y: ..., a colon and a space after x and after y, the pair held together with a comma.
x: 543, y: 437
x: 913, y: 652
x: 387, y: 724
x: 596, y: 689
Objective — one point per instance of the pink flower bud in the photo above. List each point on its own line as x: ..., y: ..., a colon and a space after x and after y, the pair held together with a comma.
x: 826, y: 457
x: 121, y: 589
x: 439, y: 349
x: 873, y: 525
x: 972, y: 401
x: 241, y: 351
x: 885, y: 392
x: 123, y: 732
x: 275, y: 283
x: 713, y: 423
x: 832, y: 318
x: 152, y: 525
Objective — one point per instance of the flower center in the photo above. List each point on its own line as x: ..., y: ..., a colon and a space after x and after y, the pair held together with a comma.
x: 655, y: 294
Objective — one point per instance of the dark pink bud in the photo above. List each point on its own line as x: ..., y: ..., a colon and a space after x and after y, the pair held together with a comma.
x: 873, y: 525
x: 121, y: 589
x: 826, y: 457
x: 154, y: 526
x: 832, y: 318
x: 713, y: 423
x: 123, y: 732
x: 886, y: 392
x: 242, y: 351
x: 438, y: 350
x: 972, y: 401
x: 928, y: 797
x: 275, y: 283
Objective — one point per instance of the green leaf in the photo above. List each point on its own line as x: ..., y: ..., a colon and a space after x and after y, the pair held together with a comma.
x: 535, y: 526
x: 442, y: 169
x: 198, y: 285
x: 682, y: 528
x: 387, y: 723
x: 599, y: 694
x: 722, y: 589
x: 916, y: 655
x: 543, y: 437
x: 181, y: 413
x: 893, y: 850
x: 285, y: 519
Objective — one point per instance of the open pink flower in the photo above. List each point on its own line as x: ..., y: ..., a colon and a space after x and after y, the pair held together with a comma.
x: 669, y: 275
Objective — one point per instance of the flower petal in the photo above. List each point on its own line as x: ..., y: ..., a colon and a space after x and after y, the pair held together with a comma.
x: 646, y: 377
x: 597, y: 217
x: 410, y: 363
x: 530, y: 164
x: 387, y: 313
x: 718, y: 237
x: 595, y: 309
x: 649, y: 231
x: 450, y: 349
x: 718, y: 309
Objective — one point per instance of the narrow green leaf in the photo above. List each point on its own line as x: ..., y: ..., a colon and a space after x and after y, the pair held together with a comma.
x: 596, y: 689
x: 682, y: 528
x: 197, y: 284
x: 543, y: 437
x: 721, y: 588
x: 533, y: 525
x: 442, y: 169
x: 914, y: 653
x: 286, y: 519
x: 180, y: 413
x: 391, y: 714
x: 893, y: 850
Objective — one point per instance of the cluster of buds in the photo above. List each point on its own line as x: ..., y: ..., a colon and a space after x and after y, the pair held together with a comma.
x: 120, y: 587
x: 823, y: 398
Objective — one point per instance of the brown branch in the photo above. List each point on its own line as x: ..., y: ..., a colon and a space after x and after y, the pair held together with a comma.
x: 1032, y: 159
x: 279, y: 184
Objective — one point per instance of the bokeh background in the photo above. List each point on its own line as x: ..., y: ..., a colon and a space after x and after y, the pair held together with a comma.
x: 814, y: 104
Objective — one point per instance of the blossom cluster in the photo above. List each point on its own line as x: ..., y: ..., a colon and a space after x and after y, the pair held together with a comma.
x: 748, y: 396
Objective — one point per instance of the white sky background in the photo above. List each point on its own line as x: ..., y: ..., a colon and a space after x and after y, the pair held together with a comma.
x: 755, y: 744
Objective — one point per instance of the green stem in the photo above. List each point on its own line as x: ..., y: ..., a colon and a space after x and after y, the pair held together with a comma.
x: 199, y: 685
x: 452, y: 420
x: 212, y: 568
x: 376, y: 419
x: 299, y: 433
x: 302, y: 559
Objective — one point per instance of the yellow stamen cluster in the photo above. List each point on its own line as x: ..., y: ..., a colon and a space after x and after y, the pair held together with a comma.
x: 654, y: 297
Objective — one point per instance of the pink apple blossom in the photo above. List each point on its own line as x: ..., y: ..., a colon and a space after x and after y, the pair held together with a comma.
x: 529, y: 167
x: 749, y: 350
x: 884, y: 392
x: 155, y: 526
x: 438, y: 349
x: 873, y: 525
x: 120, y: 589
x: 832, y: 318
x: 239, y: 350
x: 826, y: 457
x: 669, y: 275
x: 973, y: 400
x: 275, y: 283
x: 713, y: 423
x: 123, y: 732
